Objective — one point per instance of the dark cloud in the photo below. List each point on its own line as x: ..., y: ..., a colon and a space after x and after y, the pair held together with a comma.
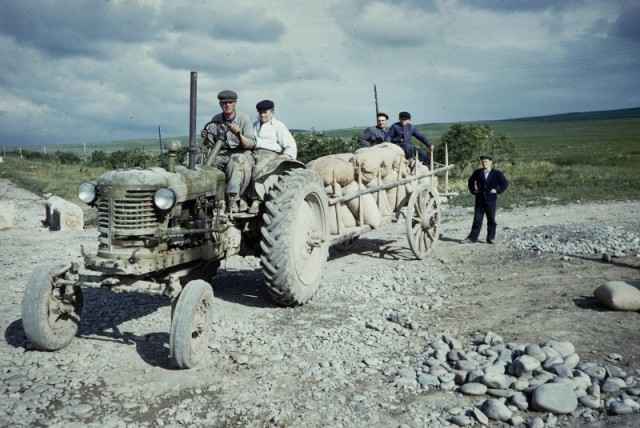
x: 76, y: 28
x: 628, y: 22
x: 519, y: 5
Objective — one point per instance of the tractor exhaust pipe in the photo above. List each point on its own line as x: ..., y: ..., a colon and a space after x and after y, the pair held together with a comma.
x: 193, y: 149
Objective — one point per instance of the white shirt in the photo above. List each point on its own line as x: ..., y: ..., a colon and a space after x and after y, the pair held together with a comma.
x: 273, y: 135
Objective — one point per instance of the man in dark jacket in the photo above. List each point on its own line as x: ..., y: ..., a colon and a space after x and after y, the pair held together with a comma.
x: 401, y: 132
x: 375, y: 134
x: 486, y: 183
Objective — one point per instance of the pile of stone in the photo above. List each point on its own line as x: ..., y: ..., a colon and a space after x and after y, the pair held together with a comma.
x: 513, y: 378
x: 575, y: 239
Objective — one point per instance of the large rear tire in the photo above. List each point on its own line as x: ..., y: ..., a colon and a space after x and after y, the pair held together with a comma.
x: 50, y: 312
x: 191, y: 325
x: 294, y: 238
x: 423, y: 221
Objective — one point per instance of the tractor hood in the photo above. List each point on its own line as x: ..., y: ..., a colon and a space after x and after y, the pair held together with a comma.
x: 187, y: 184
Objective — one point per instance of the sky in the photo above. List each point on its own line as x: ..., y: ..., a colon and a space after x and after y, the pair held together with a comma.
x: 75, y: 71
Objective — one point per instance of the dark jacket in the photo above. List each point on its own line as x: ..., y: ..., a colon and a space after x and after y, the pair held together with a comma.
x: 372, y: 136
x: 401, y: 135
x: 481, y: 187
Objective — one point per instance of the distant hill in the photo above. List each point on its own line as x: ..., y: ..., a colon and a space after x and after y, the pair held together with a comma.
x: 590, y: 115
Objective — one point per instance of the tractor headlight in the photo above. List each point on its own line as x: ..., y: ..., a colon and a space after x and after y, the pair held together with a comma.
x: 87, y: 192
x: 164, y: 198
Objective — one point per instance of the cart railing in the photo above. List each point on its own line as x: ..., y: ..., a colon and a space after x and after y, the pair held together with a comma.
x: 333, y: 201
x: 345, y: 234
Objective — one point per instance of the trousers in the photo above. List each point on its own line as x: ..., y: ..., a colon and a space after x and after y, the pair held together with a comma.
x: 482, y: 209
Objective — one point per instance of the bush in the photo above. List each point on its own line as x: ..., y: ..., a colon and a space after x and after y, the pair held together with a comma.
x: 133, y: 158
x: 98, y: 158
x: 317, y: 144
x: 467, y: 142
x: 66, y: 158
x: 57, y: 157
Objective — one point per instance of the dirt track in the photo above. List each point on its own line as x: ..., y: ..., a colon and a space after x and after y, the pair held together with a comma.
x: 330, y: 363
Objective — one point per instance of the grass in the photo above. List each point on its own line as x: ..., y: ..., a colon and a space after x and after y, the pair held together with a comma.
x: 559, y: 162
x: 40, y: 178
x: 570, y: 161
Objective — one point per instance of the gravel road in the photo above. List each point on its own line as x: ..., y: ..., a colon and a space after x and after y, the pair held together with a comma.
x: 464, y: 338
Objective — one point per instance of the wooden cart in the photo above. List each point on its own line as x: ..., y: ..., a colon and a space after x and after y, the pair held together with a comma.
x: 421, y: 210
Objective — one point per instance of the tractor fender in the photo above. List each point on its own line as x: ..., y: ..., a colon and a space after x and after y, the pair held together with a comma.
x: 271, y: 173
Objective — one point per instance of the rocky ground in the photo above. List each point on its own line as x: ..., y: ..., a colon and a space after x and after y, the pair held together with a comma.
x: 465, y: 338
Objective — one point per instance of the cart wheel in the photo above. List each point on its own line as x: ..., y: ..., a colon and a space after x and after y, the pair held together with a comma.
x: 423, y: 221
x: 50, y: 312
x: 191, y: 325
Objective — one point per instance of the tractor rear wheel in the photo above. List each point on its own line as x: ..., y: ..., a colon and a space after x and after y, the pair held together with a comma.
x: 294, y: 237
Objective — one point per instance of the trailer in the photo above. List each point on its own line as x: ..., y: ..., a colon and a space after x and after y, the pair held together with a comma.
x: 421, y: 210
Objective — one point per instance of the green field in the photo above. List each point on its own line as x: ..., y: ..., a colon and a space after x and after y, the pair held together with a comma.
x: 561, y: 159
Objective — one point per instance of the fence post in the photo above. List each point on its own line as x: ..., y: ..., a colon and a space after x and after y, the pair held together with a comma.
x: 446, y: 163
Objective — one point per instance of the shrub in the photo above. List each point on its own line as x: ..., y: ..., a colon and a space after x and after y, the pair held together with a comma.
x: 97, y: 158
x: 317, y: 144
x: 66, y: 158
x: 467, y: 142
x: 133, y: 158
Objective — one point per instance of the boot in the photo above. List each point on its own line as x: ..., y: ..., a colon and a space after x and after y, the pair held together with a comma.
x: 232, y: 203
x: 242, y: 205
x: 255, y: 207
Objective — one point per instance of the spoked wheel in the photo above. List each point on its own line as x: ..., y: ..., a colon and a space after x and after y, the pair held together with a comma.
x: 294, y: 239
x: 423, y: 221
x: 51, y: 312
x: 191, y: 325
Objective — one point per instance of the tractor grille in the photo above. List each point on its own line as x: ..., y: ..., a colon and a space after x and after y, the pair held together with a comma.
x: 135, y: 214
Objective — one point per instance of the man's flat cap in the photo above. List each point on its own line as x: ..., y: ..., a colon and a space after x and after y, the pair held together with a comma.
x: 227, y: 95
x: 383, y: 114
x: 404, y: 115
x: 265, y: 105
x: 483, y: 157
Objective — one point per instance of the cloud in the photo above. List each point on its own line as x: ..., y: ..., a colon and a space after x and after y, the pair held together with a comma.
x: 399, y: 24
x: 224, y: 24
x: 76, y: 28
x: 116, y: 69
x: 627, y: 24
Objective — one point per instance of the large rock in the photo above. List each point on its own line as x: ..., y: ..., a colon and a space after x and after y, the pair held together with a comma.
x: 619, y: 295
x: 7, y: 214
x: 556, y: 398
x: 63, y: 215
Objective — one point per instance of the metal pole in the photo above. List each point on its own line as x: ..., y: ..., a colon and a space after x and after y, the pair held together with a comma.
x: 192, y: 120
x: 446, y: 163
x: 160, y: 139
x: 375, y: 95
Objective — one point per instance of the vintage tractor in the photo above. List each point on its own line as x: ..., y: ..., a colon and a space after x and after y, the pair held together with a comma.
x: 164, y: 231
